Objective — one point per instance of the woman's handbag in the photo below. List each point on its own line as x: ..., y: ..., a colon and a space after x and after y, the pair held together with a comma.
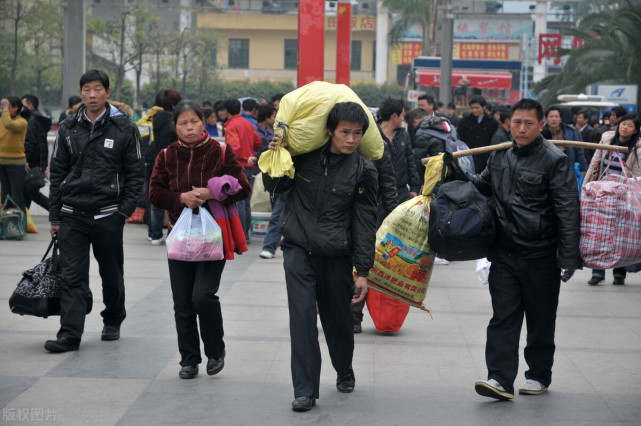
x: 38, y: 292
x: 196, y: 237
x: 34, y: 179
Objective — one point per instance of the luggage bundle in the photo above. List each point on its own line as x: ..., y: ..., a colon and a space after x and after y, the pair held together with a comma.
x: 611, y: 222
x: 13, y: 221
x: 301, y: 122
x: 196, y: 237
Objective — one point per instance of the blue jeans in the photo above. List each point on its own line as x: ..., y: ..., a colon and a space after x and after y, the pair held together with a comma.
x: 156, y: 219
x: 272, y: 237
x: 244, y: 206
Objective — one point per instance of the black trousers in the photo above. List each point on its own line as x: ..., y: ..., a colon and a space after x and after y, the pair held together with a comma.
x: 12, y: 183
x: 616, y: 272
x: 517, y: 287
x: 194, y: 286
x: 328, y: 281
x: 76, y: 234
x: 38, y: 197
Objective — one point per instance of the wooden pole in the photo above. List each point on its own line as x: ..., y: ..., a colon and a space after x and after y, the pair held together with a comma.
x: 507, y: 145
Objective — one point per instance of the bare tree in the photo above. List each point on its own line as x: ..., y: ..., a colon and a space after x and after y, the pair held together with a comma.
x: 17, y: 11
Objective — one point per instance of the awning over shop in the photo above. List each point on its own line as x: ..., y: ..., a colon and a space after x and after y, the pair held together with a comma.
x: 477, y: 79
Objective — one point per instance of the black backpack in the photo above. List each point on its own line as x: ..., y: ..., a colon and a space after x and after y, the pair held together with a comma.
x: 461, y: 222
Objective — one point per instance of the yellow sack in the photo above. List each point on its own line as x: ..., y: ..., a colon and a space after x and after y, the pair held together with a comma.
x: 31, y: 227
x: 403, y: 258
x: 301, y: 122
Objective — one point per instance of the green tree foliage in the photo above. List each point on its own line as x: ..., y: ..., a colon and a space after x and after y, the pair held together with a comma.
x: 373, y: 95
x: 415, y: 12
x: 610, y: 54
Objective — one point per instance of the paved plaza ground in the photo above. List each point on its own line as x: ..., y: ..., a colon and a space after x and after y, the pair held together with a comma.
x: 423, y: 374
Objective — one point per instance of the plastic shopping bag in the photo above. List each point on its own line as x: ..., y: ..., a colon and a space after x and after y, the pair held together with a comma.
x: 301, y: 122
x: 196, y: 237
x: 403, y: 258
x: 483, y: 270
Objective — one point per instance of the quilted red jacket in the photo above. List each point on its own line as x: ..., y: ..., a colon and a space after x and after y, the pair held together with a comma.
x: 179, y: 167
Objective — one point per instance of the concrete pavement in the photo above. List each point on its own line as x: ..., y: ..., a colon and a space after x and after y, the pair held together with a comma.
x: 423, y: 374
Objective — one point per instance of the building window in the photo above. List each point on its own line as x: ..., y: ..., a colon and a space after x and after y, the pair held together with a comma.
x: 356, y: 55
x: 238, y: 53
x: 291, y: 54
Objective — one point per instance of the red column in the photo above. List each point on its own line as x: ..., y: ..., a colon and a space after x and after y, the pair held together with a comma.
x: 343, y: 42
x: 311, y: 41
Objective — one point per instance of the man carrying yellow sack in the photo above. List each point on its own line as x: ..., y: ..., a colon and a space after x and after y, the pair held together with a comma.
x: 329, y: 228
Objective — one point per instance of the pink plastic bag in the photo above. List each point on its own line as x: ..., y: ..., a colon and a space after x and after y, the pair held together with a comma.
x: 196, y: 237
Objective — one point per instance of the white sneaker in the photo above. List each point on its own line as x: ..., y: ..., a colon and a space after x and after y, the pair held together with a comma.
x: 149, y: 238
x: 159, y: 241
x: 532, y: 387
x: 267, y: 254
x: 439, y: 261
x: 492, y: 389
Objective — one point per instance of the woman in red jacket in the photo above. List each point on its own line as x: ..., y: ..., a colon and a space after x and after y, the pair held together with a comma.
x: 182, y: 178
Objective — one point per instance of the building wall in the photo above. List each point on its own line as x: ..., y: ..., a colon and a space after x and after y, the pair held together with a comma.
x: 267, y: 35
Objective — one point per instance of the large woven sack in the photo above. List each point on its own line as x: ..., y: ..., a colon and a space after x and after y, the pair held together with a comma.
x: 260, y: 198
x: 301, y: 122
x: 611, y: 222
x: 403, y: 259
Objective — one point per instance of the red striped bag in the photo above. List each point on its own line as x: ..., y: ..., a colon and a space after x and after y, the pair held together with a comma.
x: 611, y: 222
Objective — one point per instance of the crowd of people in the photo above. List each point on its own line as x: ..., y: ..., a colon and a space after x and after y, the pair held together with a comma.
x: 183, y: 155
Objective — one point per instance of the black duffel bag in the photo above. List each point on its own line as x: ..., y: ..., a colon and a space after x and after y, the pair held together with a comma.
x: 461, y: 222
x: 38, y: 292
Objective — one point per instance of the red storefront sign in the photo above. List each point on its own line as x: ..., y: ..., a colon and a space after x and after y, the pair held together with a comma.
x: 481, y: 51
x: 479, y: 80
x: 548, y: 46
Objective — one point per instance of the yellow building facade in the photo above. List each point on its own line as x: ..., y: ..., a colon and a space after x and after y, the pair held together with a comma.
x: 260, y: 46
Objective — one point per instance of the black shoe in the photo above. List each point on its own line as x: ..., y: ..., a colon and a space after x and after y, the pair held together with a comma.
x: 595, y: 280
x: 618, y: 281
x: 357, y: 327
x: 303, y: 403
x: 188, y: 372
x: 111, y: 332
x: 346, y: 383
x: 62, y: 344
x: 214, y: 365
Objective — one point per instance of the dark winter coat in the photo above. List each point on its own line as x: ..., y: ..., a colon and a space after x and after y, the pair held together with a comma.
x: 331, y: 209
x: 537, y: 201
x: 407, y: 179
x: 387, y: 194
x: 501, y: 135
x: 476, y: 135
x: 576, y: 155
x: 35, y: 145
x: 95, y: 168
x: 426, y: 145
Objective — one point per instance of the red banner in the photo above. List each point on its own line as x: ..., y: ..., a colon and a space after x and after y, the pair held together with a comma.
x: 480, y: 51
x: 311, y: 41
x: 343, y: 43
x: 477, y: 79
x: 548, y: 45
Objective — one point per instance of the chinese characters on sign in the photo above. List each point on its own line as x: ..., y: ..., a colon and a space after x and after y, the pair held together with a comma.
x: 403, y: 53
x: 358, y: 23
x: 480, y: 51
x: 488, y: 29
x: 548, y: 45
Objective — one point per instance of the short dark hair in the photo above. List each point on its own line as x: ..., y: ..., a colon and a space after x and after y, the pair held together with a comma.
x: 74, y: 100
x: 489, y: 107
x: 206, y: 104
x: 167, y: 99
x: 33, y: 100
x: 347, y: 111
x: 619, y: 111
x: 606, y: 114
x: 528, y: 104
x: 232, y: 106
x: 428, y: 98
x: 440, y: 104
x: 451, y: 105
x: 390, y: 107
x: 417, y: 113
x: 478, y: 99
x: 185, y: 106
x: 586, y: 113
x: 219, y: 106
x: 15, y: 101
x: 277, y: 97
x: 208, y: 112
x: 505, y: 114
x: 553, y: 108
x: 264, y: 112
x: 249, y: 104
x: 95, y: 75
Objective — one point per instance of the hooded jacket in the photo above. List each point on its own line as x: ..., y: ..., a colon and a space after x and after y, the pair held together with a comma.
x: 407, y: 179
x: 95, y: 168
x: 427, y: 145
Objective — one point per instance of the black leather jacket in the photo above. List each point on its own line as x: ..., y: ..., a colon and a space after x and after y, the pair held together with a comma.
x: 403, y: 160
x: 387, y: 194
x: 95, y: 169
x: 35, y: 144
x: 331, y: 209
x: 537, y: 201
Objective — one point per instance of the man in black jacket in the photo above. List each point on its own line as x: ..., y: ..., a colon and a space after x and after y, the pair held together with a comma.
x: 537, y: 246
x: 96, y: 179
x: 36, y: 148
x: 329, y: 229
x: 476, y: 130
x: 502, y: 134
